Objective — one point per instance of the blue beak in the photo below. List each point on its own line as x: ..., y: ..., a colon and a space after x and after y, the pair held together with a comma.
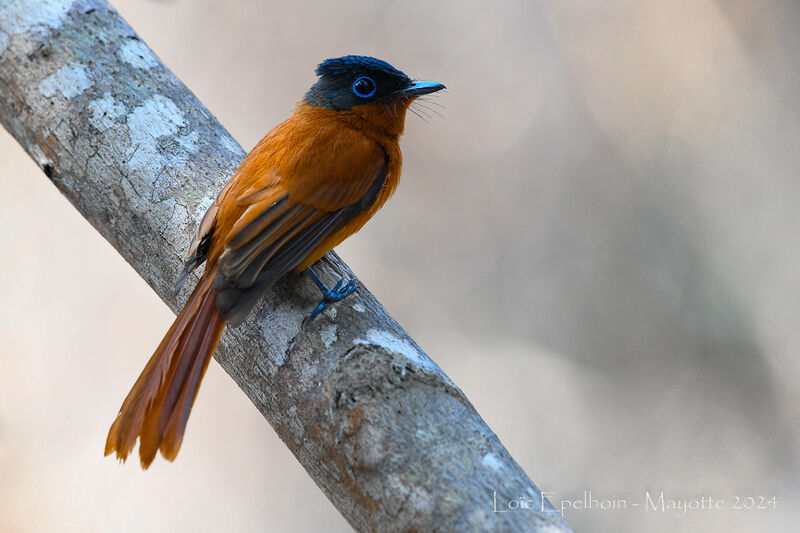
x: 421, y: 87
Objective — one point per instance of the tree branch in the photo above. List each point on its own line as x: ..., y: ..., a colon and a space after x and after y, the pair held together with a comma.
x: 389, y: 438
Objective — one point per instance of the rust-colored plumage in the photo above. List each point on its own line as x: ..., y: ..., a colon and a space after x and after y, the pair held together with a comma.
x: 308, y: 184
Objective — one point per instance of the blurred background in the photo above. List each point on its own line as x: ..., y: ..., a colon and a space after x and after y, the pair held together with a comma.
x: 598, y: 243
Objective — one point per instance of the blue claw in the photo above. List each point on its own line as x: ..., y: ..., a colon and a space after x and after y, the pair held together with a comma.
x: 318, y: 309
x: 330, y: 295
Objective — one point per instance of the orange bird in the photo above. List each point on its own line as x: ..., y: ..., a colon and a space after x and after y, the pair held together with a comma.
x: 310, y: 183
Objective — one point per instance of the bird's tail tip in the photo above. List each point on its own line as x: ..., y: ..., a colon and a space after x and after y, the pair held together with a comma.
x: 157, y: 408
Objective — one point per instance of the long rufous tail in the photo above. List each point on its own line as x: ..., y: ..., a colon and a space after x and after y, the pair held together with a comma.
x: 158, y: 405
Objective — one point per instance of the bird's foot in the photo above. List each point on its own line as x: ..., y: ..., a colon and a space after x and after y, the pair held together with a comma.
x: 339, y: 291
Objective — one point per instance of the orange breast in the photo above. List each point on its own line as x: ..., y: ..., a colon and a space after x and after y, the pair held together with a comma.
x: 320, y: 158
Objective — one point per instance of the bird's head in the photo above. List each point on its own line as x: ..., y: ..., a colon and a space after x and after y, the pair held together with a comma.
x: 366, y: 88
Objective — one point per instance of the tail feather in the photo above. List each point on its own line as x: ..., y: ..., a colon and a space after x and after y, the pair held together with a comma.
x: 158, y: 406
x: 176, y: 424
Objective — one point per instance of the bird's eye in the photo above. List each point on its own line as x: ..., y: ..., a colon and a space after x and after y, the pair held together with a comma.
x: 364, y: 87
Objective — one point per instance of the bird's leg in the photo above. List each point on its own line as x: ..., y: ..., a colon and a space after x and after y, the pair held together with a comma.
x: 330, y: 295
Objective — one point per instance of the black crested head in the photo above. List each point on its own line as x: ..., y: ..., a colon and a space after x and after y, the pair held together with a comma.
x: 339, y: 66
x: 345, y: 82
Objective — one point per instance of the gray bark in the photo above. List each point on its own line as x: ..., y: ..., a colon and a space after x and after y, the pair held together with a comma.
x: 389, y: 438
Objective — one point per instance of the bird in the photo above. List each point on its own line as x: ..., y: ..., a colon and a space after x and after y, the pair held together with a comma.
x: 312, y: 181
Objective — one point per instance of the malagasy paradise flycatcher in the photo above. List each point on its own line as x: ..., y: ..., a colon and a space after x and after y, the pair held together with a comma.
x: 310, y: 183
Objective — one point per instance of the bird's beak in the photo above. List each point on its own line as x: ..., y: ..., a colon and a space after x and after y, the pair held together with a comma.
x: 419, y: 88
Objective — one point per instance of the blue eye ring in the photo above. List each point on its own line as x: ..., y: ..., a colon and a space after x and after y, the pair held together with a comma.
x: 360, y: 90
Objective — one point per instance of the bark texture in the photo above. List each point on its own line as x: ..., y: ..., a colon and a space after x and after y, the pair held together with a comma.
x: 388, y: 437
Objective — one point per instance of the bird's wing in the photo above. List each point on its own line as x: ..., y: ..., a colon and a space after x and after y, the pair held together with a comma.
x: 198, y: 248
x: 317, y: 193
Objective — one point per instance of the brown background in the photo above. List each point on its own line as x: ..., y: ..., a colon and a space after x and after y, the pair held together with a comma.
x: 598, y: 243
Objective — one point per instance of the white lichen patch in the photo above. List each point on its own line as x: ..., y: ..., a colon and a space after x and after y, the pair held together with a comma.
x: 330, y: 312
x: 394, y: 344
x: 105, y: 111
x: 329, y: 335
x: 135, y: 53
x: 189, y: 142
x: 19, y: 16
x: 421, y: 501
x: 359, y: 308
x: 70, y: 80
x: 157, y: 117
x: 492, y: 462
